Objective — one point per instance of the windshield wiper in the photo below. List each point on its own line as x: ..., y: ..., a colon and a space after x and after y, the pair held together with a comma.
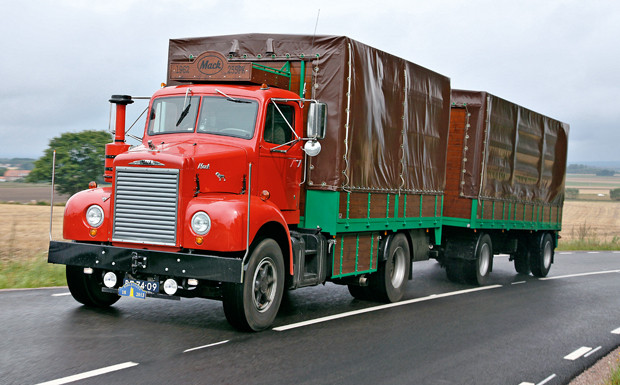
x: 231, y: 98
x: 184, y: 113
x: 186, y: 109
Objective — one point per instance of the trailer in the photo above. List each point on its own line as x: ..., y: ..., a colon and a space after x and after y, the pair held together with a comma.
x: 275, y: 162
x: 505, y: 187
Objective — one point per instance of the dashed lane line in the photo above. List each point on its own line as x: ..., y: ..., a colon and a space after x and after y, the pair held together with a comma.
x: 205, y: 346
x: 380, y: 307
x: 592, y: 351
x: 615, y: 331
x: 577, y: 353
x: 92, y: 373
x: 551, y: 377
x: 60, y: 294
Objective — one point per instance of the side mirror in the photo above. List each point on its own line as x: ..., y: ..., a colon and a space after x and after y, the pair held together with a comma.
x: 317, y: 120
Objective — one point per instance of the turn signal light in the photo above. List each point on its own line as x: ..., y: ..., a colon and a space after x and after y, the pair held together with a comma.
x: 93, y: 232
x: 264, y: 195
x: 92, y: 184
x: 199, y: 240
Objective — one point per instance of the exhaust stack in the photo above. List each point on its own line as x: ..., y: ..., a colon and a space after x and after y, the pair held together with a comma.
x: 118, y: 146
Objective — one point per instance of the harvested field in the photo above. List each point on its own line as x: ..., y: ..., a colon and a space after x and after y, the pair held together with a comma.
x: 583, y: 219
x: 24, y: 230
x: 28, y: 193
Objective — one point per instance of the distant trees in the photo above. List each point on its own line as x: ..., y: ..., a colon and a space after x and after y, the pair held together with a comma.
x: 79, y: 159
x: 614, y: 194
x: 585, y: 169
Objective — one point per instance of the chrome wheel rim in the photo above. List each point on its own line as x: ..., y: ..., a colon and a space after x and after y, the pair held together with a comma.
x: 484, y: 260
x: 547, y: 255
x: 264, y: 285
x: 398, y: 267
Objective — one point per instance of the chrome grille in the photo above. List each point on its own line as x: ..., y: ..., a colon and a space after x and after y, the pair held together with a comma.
x: 145, y: 205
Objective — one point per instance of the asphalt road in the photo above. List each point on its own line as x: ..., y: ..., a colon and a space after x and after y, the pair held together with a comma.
x: 517, y: 330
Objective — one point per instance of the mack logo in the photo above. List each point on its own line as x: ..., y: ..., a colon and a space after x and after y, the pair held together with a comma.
x: 210, y: 65
x: 146, y: 162
x: 202, y: 166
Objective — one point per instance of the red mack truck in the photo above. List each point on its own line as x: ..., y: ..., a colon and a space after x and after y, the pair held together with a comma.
x: 275, y: 162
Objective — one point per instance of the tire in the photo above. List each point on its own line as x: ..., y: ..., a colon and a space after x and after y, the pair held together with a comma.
x: 390, y: 281
x: 86, y: 288
x: 363, y: 293
x: 477, y: 270
x: 522, y: 258
x: 253, y: 304
x: 542, y: 255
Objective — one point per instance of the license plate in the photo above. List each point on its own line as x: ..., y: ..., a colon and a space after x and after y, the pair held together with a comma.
x: 138, y: 288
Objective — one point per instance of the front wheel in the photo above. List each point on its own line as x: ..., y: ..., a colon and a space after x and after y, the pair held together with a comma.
x: 86, y: 288
x: 253, y: 304
x: 390, y: 281
x: 542, y: 255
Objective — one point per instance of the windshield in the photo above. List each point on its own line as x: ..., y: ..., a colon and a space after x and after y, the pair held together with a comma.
x: 174, y: 114
x: 229, y: 117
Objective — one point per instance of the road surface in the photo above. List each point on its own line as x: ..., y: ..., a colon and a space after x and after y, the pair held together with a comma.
x: 516, y: 330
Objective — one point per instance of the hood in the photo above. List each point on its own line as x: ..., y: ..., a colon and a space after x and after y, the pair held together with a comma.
x: 211, y: 167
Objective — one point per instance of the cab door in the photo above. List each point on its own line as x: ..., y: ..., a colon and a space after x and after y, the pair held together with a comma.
x: 281, y: 157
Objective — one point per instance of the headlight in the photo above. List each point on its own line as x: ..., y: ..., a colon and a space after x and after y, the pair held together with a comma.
x: 94, y: 216
x: 201, y: 223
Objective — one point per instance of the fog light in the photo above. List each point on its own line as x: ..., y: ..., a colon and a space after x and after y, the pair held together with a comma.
x: 192, y: 282
x: 170, y: 286
x: 109, y: 279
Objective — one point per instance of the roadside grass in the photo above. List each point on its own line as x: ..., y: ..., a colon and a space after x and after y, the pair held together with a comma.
x: 31, y: 272
x: 584, y: 237
x: 614, y: 376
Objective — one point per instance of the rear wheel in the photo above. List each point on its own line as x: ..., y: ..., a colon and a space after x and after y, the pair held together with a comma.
x: 477, y: 270
x: 86, y: 288
x: 390, y: 281
x: 522, y: 258
x: 253, y: 304
x: 542, y: 255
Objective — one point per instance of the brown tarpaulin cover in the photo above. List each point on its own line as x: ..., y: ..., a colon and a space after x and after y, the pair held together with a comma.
x: 387, y: 128
x: 512, y: 153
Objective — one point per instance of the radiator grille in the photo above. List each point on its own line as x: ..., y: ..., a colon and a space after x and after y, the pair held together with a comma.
x: 145, y: 205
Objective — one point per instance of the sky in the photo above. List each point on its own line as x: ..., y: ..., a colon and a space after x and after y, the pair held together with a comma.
x: 62, y: 59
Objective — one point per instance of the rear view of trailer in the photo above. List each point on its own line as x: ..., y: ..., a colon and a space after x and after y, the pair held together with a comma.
x: 504, y: 185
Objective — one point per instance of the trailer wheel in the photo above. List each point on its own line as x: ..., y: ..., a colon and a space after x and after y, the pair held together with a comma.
x: 390, y: 281
x: 542, y: 255
x: 477, y: 270
x: 253, y: 304
x: 86, y: 288
x: 454, y: 270
x: 522, y: 258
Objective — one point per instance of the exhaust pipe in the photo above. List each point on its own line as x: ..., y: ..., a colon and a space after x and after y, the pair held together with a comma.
x: 118, y: 146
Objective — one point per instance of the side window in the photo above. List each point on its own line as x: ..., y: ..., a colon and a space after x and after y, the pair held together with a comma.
x: 277, y: 130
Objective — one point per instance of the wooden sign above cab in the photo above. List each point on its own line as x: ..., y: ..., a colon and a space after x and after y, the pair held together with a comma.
x: 211, y: 67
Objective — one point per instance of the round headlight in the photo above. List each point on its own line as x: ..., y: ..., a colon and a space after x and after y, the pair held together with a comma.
x: 201, y: 223
x: 94, y: 216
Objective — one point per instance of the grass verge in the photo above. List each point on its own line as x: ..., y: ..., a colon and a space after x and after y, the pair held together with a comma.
x: 30, y: 272
x: 614, y: 376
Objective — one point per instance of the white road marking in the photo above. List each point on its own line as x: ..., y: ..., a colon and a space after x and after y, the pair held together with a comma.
x: 60, y: 294
x: 579, y: 275
x: 92, y: 373
x: 616, y: 331
x: 527, y: 383
x: 380, y: 307
x: 517, y: 283
x: 593, y: 252
x: 205, y: 346
x: 565, y: 252
x: 551, y: 377
x: 592, y: 352
x: 577, y: 353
